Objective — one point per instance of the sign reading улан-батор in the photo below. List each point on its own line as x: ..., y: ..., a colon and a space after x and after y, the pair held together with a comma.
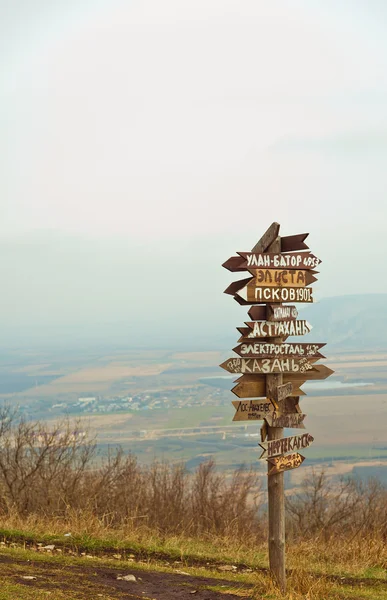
x: 272, y: 370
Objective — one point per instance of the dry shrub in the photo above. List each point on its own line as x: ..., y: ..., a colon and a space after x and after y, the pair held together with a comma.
x: 54, y: 474
x: 349, y: 509
x: 300, y: 585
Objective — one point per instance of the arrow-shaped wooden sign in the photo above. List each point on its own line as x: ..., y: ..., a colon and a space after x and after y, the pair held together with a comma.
x: 254, y: 349
x: 283, y: 445
x: 279, y: 393
x: 292, y: 243
x: 252, y: 294
x: 285, y: 463
x: 283, y: 277
x: 277, y: 313
x: 262, y: 329
x: 288, y: 406
x: 295, y: 260
x: 291, y: 420
x: 252, y: 410
x: 246, y: 388
x: 235, y: 286
x: 269, y: 365
x: 318, y: 372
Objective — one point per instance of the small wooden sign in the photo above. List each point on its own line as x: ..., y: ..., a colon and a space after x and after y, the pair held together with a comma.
x: 252, y: 410
x: 283, y: 277
x: 296, y: 260
x: 284, y: 391
x: 283, y: 445
x: 261, y: 329
x: 285, y: 463
x: 300, y: 366
x: 234, y: 264
x: 318, y: 372
x: 269, y: 350
x: 292, y: 243
x: 251, y: 293
x: 289, y: 243
x: 291, y: 420
x: 277, y: 313
x: 257, y: 389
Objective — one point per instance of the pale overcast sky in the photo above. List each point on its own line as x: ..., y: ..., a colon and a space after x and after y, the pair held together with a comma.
x: 144, y: 142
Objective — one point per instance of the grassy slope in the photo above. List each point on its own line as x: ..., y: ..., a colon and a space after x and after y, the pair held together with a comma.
x: 316, y: 571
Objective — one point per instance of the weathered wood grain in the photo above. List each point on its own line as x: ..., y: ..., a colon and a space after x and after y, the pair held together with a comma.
x: 283, y: 391
x: 284, y: 445
x: 263, y: 431
x: 269, y: 238
x: 291, y: 404
x: 284, y: 463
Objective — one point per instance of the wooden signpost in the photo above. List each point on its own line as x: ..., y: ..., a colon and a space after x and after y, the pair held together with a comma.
x: 273, y: 371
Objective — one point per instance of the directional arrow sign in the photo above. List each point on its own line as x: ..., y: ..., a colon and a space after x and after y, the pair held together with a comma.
x: 283, y: 277
x: 296, y: 260
x: 254, y: 349
x: 257, y: 389
x: 235, y: 286
x: 301, y: 366
x: 291, y: 420
x: 261, y: 329
x: 291, y: 243
x: 288, y: 444
x: 234, y: 264
x: 318, y: 372
x: 277, y: 313
x: 252, y: 410
x: 285, y: 463
x: 251, y: 294
x: 283, y: 391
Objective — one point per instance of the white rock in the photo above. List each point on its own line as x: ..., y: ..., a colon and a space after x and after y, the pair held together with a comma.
x: 126, y: 577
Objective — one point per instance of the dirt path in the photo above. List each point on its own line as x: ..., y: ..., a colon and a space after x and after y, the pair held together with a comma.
x: 93, y: 581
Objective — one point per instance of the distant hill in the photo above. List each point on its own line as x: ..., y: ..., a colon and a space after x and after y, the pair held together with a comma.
x: 353, y: 323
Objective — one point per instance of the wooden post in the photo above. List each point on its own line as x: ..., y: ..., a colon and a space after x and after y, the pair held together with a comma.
x: 275, y: 482
x: 283, y: 274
